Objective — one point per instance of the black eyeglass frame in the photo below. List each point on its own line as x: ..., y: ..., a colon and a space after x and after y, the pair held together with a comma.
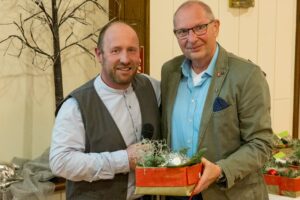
x: 186, y: 31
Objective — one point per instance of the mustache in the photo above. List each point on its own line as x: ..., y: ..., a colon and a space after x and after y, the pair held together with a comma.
x: 123, y: 66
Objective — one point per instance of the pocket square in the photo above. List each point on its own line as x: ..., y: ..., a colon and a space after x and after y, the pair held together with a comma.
x: 220, y: 104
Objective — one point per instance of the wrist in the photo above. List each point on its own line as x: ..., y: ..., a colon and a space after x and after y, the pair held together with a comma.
x: 222, y: 178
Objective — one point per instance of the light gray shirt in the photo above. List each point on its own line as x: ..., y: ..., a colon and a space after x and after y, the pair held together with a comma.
x: 67, y: 157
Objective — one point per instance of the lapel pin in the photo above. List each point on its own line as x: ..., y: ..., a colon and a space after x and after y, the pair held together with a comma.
x: 220, y: 74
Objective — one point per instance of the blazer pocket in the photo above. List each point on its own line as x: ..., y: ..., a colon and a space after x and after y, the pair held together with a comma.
x: 228, y: 110
x: 220, y: 104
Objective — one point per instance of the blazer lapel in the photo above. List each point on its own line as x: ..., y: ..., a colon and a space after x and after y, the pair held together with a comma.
x: 174, y: 81
x: 220, y: 72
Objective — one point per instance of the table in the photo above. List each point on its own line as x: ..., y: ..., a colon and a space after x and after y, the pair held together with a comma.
x: 279, y: 197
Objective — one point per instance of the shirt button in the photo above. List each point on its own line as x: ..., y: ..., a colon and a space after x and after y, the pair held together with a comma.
x: 193, y: 101
x: 189, y: 141
x: 190, y: 120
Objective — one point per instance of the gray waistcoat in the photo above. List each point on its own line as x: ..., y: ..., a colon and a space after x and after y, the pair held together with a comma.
x: 103, y: 135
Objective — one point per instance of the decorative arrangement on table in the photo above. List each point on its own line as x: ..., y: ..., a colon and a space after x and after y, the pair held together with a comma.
x: 163, y: 172
x: 282, y: 172
x: 8, y: 175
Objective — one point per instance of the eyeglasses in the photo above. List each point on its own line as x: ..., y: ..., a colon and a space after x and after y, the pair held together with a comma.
x: 198, y: 30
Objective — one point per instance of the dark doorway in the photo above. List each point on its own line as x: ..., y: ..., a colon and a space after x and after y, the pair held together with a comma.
x: 135, y: 13
x: 297, y: 76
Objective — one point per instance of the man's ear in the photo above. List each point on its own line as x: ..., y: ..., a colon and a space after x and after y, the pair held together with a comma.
x: 216, y: 27
x: 98, y: 54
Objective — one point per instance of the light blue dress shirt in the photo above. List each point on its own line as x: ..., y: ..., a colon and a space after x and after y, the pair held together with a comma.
x: 188, y: 107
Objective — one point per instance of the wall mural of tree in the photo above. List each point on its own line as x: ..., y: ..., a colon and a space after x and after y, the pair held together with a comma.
x: 53, y: 17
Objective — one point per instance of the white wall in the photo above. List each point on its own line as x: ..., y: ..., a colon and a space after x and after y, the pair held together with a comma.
x: 27, y: 91
x: 264, y: 34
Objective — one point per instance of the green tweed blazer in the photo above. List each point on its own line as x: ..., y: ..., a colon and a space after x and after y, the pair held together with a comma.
x: 239, y: 137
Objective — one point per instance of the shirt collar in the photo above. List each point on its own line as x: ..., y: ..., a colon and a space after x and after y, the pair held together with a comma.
x: 100, y: 85
x: 186, y: 65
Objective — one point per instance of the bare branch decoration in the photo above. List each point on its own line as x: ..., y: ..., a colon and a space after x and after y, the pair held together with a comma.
x: 43, y: 22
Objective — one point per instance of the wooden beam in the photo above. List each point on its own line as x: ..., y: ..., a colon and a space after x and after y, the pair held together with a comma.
x: 297, y: 76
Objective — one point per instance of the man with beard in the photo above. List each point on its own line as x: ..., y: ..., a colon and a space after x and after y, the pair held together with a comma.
x: 98, y: 126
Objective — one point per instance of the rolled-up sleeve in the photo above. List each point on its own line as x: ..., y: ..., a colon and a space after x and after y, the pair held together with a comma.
x: 67, y: 157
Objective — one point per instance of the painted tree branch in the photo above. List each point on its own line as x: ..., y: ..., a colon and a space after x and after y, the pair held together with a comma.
x: 64, y: 13
x: 66, y: 16
x: 24, y: 40
x: 41, y: 5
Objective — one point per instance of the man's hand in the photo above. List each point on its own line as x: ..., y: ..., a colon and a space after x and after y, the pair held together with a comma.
x: 133, y: 153
x: 210, y: 174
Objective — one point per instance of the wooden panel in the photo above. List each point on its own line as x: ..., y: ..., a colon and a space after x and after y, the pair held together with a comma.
x: 214, y: 5
x: 285, y: 41
x: 266, y: 42
x: 136, y: 13
x: 282, y: 116
x: 63, y: 195
x: 176, y: 48
x: 229, y: 27
x: 55, y: 196
x: 248, y: 33
x: 161, y: 46
x: 296, y: 114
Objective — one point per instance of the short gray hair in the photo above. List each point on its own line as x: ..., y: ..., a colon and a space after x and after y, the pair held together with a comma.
x: 207, y: 9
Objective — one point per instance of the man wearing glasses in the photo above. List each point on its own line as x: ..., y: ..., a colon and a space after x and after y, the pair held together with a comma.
x: 214, y: 99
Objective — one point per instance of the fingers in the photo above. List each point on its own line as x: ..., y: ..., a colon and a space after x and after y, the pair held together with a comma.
x: 134, y: 152
x: 132, y: 156
x: 201, y: 185
x: 209, y: 175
